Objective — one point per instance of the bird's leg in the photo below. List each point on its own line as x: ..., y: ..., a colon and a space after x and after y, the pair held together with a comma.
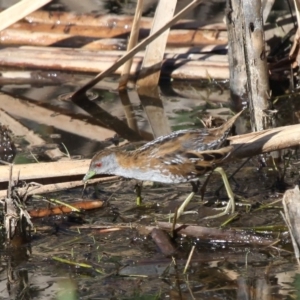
x: 138, y: 190
x: 203, y: 187
x: 231, y: 202
x: 184, y: 204
x: 195, y: 186
x: 229, y: 206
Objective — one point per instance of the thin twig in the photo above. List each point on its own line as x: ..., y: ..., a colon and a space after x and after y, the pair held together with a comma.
x: 189, y: 259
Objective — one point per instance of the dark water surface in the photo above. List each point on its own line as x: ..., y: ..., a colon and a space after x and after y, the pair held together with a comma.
x: 108, y: 253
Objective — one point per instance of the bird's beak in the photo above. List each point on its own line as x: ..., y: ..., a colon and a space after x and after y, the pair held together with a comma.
x: 89, y: 175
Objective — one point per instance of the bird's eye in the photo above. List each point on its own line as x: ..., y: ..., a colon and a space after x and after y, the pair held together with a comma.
x: 98, y: 165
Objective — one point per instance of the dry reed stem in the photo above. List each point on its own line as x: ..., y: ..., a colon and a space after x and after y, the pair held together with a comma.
x: 19, y: 10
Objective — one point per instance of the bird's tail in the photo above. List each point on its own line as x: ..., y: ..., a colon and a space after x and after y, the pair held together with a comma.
x: 228, y: 124
x: 209, y: 159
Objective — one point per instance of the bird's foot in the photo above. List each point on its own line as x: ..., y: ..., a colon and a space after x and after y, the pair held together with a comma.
x: 138, y: 190
x: 230, y: 208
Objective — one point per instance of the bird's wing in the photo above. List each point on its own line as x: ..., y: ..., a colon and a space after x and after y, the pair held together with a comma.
x: 192, y: 164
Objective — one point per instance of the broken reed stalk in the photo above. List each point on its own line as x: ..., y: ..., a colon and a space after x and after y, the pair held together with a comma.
x: 229, y: 235
x: 249, y: 78
x: 256, y: 64
x: 103, y: 39
x: 66, y: 208
x: 110, y: 21
x: 18, y: 11
x: 292, y: 216
x: 189, y: 259
x: 56, y: 187
x: 36, y: 171
x: 134, y: 35
x: 81, y: 60
x: 135, y: 50
x: 154, y: 55
x: 151, y: 69
x: 255, y: 143
x: 28, y: 38
x: 125, y: 74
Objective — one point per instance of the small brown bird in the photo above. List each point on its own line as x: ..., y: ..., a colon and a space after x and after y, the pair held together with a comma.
x: 182, y: 156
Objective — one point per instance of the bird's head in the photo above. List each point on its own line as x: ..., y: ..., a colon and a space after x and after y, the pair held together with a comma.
x: 103, y: 162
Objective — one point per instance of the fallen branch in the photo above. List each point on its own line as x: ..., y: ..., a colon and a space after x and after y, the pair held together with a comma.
x: 26, y: 37
x: 184, y: 66
x: 220, y: 235
x: 99, y: 38
x: 291, y: 216
x: 19, y: 11
x: 59, y: 210
x: 264, y: 141
x: 45, y: 170
x: 108, y: 21
x: 56, y: 187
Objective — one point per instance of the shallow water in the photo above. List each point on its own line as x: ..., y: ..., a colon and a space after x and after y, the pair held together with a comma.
x: 119, y: 258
